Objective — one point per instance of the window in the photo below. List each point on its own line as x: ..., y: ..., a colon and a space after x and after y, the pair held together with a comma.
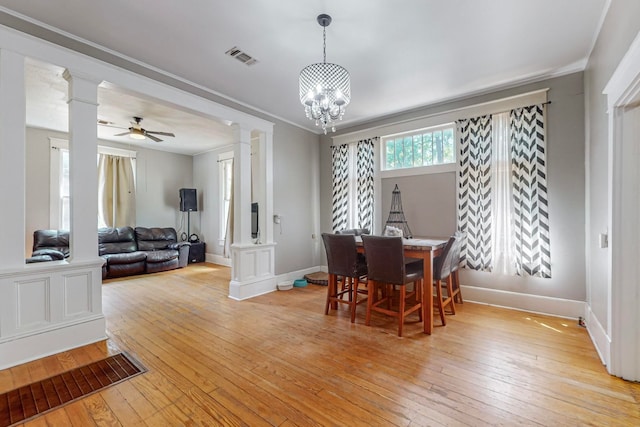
x: 425, y: 147
x: 59, y: 210
x: 59, y: 204
x: 225, y: 162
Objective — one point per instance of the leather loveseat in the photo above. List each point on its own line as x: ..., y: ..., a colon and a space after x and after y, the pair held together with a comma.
x: 126, y: 251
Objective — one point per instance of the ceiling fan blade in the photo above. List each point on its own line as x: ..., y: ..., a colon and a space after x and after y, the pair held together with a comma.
x: 160, y: 133
x: 153, y: 138
x: 123, y: 133
x: 109, y: 124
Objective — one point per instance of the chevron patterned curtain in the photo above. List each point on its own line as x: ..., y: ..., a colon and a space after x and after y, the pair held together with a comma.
x: 340, y: 174
x: 529, y: 187
x: 474, y: 192
x: 365, y: 183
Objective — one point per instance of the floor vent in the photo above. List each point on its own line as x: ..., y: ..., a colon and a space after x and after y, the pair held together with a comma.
x: 23, y: 403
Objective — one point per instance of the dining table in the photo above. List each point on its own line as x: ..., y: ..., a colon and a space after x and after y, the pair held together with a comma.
x: 427, y: 249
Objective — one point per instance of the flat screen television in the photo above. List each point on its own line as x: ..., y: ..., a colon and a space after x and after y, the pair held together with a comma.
x: 254, y: 220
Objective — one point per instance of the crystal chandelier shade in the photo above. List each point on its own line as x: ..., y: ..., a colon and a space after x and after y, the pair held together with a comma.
x: 325, y: 88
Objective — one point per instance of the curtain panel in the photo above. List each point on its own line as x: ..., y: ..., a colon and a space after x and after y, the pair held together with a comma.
x: 340, y: 177
x: 353, y: 185
x: 529, y: 192
x: 116, y: 191
x: 474, y: 192
x: 365, y: 170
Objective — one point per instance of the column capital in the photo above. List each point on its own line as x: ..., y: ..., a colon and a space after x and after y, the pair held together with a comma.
x: 82, y: 87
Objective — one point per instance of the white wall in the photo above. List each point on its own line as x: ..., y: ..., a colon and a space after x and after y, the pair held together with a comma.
x: 160, y: 175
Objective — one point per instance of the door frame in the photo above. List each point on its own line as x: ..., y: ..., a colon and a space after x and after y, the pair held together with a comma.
x: 623, y: 97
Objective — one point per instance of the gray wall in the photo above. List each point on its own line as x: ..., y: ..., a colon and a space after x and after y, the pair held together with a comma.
x: 428, y: 202
x: 618, y: 31
x: 206, y: 179
x: 435, y: 194
x: 160, y: 175
x: 295, y: 187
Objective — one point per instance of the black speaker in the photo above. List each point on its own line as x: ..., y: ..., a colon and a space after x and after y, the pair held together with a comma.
x: 196, y: 252
x: 188, y: 200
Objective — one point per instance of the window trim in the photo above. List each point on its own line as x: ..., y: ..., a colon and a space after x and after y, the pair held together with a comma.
x: 55, y: 167
x: 424, y: 169
x: 55, y: 176
x: 222, y: 157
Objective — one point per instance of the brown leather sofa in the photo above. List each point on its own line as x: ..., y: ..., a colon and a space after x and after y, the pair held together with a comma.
x: 126, y: 251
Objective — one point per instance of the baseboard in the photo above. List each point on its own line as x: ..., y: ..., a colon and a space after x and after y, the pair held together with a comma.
x: 598, y: 334
x: 244, y: 290
x: 218, y: 259
x: 299, y: 274
x: 526, y: 302
x: 41, y: 344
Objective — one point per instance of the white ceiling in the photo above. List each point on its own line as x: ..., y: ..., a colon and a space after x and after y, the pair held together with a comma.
x: 401, y: 55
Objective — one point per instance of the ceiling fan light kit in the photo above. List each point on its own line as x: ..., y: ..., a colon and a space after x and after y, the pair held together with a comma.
x: 325, y: 88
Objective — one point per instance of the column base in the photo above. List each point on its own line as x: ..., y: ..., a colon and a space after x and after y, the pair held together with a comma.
x: 252, y: 271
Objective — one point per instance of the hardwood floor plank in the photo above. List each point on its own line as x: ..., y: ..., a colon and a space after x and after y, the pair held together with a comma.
x: 278, y: 360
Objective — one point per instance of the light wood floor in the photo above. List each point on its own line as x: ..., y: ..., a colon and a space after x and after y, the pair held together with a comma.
x: 278, y: 360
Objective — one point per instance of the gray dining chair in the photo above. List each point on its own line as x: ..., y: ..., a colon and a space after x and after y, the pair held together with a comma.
x: 388, y: 268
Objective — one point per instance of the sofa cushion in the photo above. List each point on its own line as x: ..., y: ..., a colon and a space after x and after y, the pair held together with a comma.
x: 161, y: 256
x: 52, y: 239
x: 121, y: 270
x: 53, y: 254
x: 155, y: 238
x: 154, y: 267
x: 125, y: 258
x: 116, y: 240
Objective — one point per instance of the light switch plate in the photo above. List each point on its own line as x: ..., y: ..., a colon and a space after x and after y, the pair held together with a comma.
x: 604, y: 240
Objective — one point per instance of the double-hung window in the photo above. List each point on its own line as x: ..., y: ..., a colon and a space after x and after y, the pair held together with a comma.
x: 59, y: 202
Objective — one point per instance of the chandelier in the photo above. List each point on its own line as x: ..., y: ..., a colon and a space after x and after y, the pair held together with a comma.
x: 325, y: 88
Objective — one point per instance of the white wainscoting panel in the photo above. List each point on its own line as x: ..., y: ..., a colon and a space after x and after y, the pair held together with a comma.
x: 33, y: 303
x: 77, y: 295
x: 49, y: 307
x: 252, y: 271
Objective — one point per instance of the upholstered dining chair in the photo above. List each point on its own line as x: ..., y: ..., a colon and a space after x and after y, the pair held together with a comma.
x: 442, y: 272
x: 389, y: 268
x: 456, y: 293
x: 354, y: 231
x: 344, y: 264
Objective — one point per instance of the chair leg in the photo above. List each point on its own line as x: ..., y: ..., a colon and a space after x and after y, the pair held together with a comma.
x: 371, y: 287
x: 456, y: 287
x: 353, y: 298
x: 450, y: 293
x: 402, y: 303
x: 439, y: 302
x: 418, y: 297
x: 330, y: 285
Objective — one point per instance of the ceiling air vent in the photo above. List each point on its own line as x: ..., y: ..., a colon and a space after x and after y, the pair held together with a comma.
x: 241, y: 56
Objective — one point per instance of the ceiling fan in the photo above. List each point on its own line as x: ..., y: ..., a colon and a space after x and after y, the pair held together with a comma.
x: 137, y: 132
